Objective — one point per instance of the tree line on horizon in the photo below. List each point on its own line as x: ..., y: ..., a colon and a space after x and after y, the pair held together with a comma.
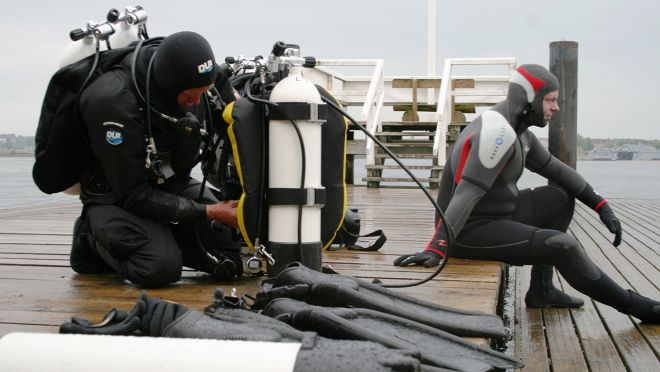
x: 587, y: 143
x: 17, y: 144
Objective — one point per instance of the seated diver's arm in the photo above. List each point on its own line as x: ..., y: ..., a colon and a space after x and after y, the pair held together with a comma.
x: 540, y: 161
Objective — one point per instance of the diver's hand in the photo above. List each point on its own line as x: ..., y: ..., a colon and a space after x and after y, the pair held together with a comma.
x: 609, y: 219
x: 224, y: 211
x: 428, y: 259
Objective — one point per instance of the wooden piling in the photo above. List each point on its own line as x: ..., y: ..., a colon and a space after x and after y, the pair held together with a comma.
x: 563, y: 126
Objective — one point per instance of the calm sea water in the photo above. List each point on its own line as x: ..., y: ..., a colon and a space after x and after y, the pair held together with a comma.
x: 612, y: 179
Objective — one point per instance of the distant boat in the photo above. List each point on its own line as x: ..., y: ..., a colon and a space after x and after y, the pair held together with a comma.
x: 624, y: 153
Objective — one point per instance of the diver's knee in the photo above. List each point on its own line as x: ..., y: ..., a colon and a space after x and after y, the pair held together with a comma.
x: 563, y: 243
x: 157, y: 273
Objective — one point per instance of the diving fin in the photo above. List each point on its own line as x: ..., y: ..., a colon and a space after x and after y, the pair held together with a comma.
x: 302, y: 283
x: 156, y: 317
x: 437, y: 348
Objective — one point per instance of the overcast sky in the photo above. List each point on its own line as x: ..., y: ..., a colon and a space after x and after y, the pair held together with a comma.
x: 619, y: 43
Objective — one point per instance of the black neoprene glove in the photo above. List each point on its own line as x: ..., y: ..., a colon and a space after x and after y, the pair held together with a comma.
x: 428, y: 259
x: 158, y: 315
x: 609, y: 219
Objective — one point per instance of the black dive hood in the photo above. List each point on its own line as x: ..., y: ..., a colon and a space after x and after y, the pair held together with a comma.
x: 524, y: 102
x: 184, y: 60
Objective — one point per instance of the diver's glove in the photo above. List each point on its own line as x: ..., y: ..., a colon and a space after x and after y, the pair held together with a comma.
x: 426, y: 258
x: 590, y: 197
x: 609, y: 219
x: 150, y: 315
x: 435, y: 251
x: 158, y: 315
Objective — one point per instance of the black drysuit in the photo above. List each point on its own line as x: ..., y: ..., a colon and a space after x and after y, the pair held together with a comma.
x: 493, y: 220
x: 142, y: 228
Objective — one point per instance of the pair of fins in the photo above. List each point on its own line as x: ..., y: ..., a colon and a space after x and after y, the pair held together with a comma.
x: 154, y: 317
x: 437, y: 348
x: 316, y: 288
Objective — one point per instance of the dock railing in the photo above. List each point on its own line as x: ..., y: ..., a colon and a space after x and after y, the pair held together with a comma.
x: 447, y: 94
x: 368, y: 90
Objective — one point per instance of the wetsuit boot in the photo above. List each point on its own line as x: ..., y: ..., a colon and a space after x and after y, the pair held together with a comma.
x: 542, y: 293
x: 642, y: 308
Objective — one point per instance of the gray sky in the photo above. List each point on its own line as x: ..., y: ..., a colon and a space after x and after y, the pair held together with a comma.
x: 618, y: 41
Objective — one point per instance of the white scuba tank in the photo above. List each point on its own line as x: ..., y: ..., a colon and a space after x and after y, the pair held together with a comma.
x: 36, y: 352
x: 285, y: 162
x: 123, y: 35
x: 77, y: 50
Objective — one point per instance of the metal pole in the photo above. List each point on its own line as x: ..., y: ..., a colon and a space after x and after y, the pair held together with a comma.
x: 430, y: 47
x: 563, y: 126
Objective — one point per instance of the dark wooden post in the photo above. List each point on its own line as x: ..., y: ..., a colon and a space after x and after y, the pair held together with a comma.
x: 350, y: 160
x: 563, y: 126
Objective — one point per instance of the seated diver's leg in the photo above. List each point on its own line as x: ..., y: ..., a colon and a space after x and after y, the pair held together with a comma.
x: 141, y: 250
x: 582, y: 274
x: 543, y: 293
x: 547, y: 207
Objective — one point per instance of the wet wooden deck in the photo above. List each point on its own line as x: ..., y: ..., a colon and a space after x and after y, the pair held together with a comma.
x: 39, y: 291
x: 597, y: 337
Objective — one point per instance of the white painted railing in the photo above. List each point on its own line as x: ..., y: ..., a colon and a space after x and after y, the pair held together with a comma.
x: 444, y: 110
x: 351, y: 88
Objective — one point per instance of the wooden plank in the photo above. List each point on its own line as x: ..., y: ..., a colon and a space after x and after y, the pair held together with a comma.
x: 430, y: 83
x: 467, y: 108
x: 565, y: 351
x: 640, y: 229
x: 531, y: 345
x: 626, y: 260
x: 599, y: 350
x: 633, y: 348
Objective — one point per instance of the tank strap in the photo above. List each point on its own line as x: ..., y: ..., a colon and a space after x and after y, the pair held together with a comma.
x: 295, y: 196
x: 299, y: 111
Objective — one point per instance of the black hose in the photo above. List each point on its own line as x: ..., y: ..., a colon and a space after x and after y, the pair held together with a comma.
x: 302, y: 186
x: 79, y: 121
x: 448, y: 230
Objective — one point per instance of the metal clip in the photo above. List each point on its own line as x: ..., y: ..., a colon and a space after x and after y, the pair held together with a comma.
x: 151, y: 149
x: 262, y: 251
x: 147, y: 162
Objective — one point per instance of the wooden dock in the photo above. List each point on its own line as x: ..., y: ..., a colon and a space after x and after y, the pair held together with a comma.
x: 39, y: 291
x: 597, y: 337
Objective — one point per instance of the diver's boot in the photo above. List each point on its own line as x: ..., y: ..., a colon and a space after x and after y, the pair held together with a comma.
x: 642, y: 308
x: 542, y: 293
x: 83, y: 259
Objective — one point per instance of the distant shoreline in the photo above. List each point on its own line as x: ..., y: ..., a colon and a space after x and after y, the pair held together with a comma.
x: 17, y: 155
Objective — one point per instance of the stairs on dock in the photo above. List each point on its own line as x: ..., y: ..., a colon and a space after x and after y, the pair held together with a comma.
x: 412, y: 143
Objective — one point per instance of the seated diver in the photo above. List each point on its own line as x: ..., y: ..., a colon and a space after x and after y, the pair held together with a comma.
x: 493, y: 220
x: 145, y: 222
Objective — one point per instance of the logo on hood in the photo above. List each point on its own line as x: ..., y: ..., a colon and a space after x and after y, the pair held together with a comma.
x: 205, y: 67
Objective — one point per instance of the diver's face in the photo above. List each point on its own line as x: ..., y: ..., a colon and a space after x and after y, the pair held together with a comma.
x: 550, y: 105
x: 191, y: 97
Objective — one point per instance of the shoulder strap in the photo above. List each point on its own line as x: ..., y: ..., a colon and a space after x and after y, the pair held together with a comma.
x: 373, y: 246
